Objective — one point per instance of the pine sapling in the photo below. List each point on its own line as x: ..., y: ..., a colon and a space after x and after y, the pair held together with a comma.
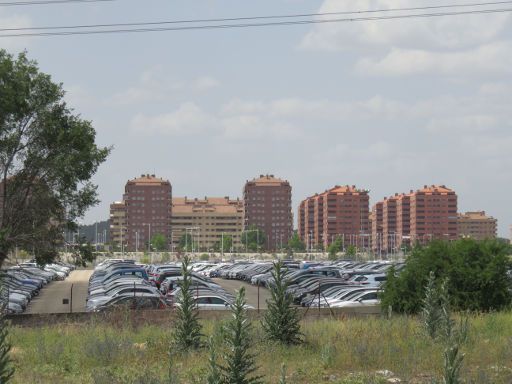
x: 431, y: 312
x: 214, y: 374
x: 281, y: 322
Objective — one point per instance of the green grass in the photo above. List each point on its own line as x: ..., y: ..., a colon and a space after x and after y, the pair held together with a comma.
x: 346, y: 351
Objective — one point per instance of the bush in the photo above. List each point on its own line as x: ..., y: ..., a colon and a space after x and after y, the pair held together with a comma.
x: 476, y: 273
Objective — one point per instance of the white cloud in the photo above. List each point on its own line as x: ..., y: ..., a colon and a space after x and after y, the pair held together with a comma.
x: 188, y: 119
x: 489, y: 58
x: 157, y: 84
x: 14, y: 21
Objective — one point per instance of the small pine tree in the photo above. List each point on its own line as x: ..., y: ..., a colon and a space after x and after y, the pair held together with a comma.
x: 452, y: 364
x: 187, y: 331
x: 430, y: 312
x: 281, y: 322
x: 282, y: 378
x: 214, y: 374
x: 240, y: 363
x: 6, y: 369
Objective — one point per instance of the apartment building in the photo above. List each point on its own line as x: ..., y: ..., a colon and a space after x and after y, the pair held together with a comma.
x: 207, y: 221
x: 376, y: 225
x: 477, y: 225
x: 268, y: 206
x: 118, y: 223
x: 340, y: 211
x: 147, y: 210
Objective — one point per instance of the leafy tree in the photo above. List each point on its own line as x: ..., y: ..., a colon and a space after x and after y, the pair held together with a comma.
x: 281, y: 322
x: 6, y: 368
x: 254, y: 238
x: 159, y: 242
x: 227, y: 242
x: 476, y: 273
x: 334, y: 248
x: 351, y: 251
x: 186, y: 242
x: 47, y: 157
x: 240, y: 363
x: 296, y: 244
x: 83, y: 252
x: 204, y: 257
x: 187, y: 331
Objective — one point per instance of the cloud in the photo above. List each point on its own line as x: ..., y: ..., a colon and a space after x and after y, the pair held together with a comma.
x: 14, y: 21
x: 489, y: 58
x: 188, y: 119
x: 156, y: 84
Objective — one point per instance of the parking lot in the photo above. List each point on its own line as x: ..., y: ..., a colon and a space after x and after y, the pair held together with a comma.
x: 251, y: 292
x: 50, y: 299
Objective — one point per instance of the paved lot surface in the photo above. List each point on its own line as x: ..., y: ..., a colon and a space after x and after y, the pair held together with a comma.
x: 251, y: 291
x: 50, y: 297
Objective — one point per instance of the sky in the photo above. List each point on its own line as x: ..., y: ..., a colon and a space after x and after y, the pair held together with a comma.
x: 386, y: 105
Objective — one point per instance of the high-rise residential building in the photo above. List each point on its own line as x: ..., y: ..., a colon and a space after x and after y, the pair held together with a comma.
x: 118, y: 223
x: 376, y: 224
x: 268, y: 207
x: 342, y: 211
x: 417, y: 216
x: 207, y: 221
x: 477, y: 225
x: 147, y: 210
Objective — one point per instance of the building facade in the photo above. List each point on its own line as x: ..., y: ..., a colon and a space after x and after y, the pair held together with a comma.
x: 117, y: 223
x: 416, y: 217
x: 268, y: 206
x: 147, y: 212
x: 342, y: 211
x: 207, y: 221
x: 477, y: 225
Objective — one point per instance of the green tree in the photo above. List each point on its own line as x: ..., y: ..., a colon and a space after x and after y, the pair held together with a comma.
x: 224, y: 245
x: 296, y: 244
x: 47, y: 158
x: 254, y: 238
x: 187, y: 329
x: 351, y: 251
x: 240, y: 364
x: 334, y: 248
x: 476, y: 273
x: 186, y: 242
x: 159, y: 242
x: 6, y: 367
x: 83, y: 252
x: 281, y: 322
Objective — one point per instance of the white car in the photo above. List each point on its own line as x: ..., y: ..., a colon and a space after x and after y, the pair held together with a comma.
x: 365, y: 299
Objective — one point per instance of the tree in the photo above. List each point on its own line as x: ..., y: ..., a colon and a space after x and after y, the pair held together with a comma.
x: 254, y: 238
x: 281, y: 322
x: 224, y: 245
x: 334, y: 248
x: 296, y: 244
x: 6, y: 368
x: 83, y: 252
x: 47, y: 158
x: 476, y: 273
x: 240, y: 363
x: 186, y: 242
x: 351, y: 251
x: 159, y: 242
x: 187, y: 331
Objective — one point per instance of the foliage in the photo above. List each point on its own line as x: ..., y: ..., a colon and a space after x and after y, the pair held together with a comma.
x: 296, y: 244
x: 214, y: 375
x: 185, y: 243
x: 476, y: 273
x: 240, y: 363
x: 281, y: 322
x: 47, y: 157
x: 204, y: 257
x: 224, y: 245
x: 282, y: 377
x: 334, y: 248
x: 159, y: 242
x: 83, y: 252
x: 187, y: 329
x: 6, y: 368
x: 254, y: 238
x: 430, y: 311
x: 351, y: 251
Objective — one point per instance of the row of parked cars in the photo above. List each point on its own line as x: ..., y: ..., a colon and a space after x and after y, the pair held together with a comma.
x: 337, y: 285
x: 118, y: 283
x: 23, y: 282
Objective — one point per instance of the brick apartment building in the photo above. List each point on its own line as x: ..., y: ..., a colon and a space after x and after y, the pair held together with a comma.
x: 477, y: 225
x: 340, y: 211
x: 268, y: 206
x: 147, y: 206
x: 207, y: 221
x: 418, y: 216
x: 118, y: 223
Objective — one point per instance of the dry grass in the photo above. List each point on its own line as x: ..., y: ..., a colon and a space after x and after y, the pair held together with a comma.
x: 348, y: 351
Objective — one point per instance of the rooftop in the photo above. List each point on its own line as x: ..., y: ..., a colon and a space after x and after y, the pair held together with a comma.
x: 147, y: 179
x: 270, y: 180
x: 223, y: 205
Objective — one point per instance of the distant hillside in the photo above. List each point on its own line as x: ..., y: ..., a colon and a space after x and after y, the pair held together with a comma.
x: 89, y: 231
